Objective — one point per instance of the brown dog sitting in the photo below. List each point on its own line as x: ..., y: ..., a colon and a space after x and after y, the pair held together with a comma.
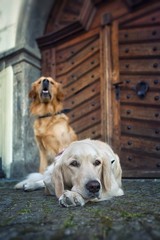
x: 51, y: 126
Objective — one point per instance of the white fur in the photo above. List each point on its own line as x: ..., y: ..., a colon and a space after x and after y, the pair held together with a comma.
x: 69, y: 183
x: 33, y: 182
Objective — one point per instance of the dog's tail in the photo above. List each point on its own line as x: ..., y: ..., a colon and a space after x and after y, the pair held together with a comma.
x: 32, y: 182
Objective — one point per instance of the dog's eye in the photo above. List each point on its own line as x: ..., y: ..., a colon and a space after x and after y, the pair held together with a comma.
x: 75, y: 163
x: 39, y: 82
x: 52, y: 83
x: 112, y: 161
x: 97, y: 162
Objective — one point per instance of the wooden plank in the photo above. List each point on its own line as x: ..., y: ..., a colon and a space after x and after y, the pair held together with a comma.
x: 106, y: 76
x: 76, y: 40
x: 85, y: 108
x: 115, y: 53
x: 115, y: 79
x: 79, y: 72
x: 83, y: 82
x: 74, y: 72
x: 130, y: 96
x: 145, y: 19
x: 146, y: 10
x: 140, y: 66
x: 140, y: 113
x: 140, y: 128
x: 130, y: 81
x: 139, y: 34
x: 72, y: 78
x: 140, y: 174
x: 138, y: 50
x: 69, y: 65
x: 73, y: 50
x: 94, y: 132
x: 87, y: 121
x: 141, y: 145
x: 84, y: 95
x: 135, y: 161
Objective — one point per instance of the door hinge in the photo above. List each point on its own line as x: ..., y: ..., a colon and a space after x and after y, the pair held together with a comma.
x: 117, y: 89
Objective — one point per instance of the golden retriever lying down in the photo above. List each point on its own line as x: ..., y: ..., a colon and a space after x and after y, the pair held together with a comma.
x: 51, y: 126
x: 87, y: 170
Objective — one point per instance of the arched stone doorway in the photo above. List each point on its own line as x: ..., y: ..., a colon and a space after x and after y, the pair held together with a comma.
x: 99, y: 51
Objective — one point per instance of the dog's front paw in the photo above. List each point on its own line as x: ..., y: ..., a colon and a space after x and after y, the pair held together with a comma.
x: 27, y: 187
x: 71, y: 199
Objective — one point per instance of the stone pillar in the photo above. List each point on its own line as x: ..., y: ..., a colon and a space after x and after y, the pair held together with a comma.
x: 26, y: 69
x: 24, y: 58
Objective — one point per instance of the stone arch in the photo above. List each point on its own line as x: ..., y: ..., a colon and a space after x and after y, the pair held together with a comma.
x: 32, y: 22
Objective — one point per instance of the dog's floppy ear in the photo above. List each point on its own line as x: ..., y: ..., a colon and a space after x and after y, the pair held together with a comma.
x: 60, y: 92
x: 32, y: 94
x: 57, y: 180
x: 116, y: 168
x: 106, y: 173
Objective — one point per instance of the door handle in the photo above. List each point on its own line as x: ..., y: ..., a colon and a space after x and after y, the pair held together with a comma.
x: 142, y: 89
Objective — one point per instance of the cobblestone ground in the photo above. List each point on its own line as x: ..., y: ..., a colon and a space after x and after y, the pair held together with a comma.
x: 136, y: 215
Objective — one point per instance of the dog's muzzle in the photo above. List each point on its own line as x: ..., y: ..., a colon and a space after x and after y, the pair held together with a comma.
x: 93, y: 188
x: 45, y: 94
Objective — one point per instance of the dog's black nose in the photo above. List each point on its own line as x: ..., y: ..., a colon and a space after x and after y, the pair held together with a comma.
x: 45, y: 84
x: 93, y: 186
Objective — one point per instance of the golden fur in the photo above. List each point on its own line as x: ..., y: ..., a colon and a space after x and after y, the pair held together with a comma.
x: 87, y: 170
x: 51, y: 128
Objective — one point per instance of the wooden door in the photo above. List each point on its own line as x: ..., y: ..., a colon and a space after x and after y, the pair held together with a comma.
x: 104, y: 52
x: 138, y: 89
